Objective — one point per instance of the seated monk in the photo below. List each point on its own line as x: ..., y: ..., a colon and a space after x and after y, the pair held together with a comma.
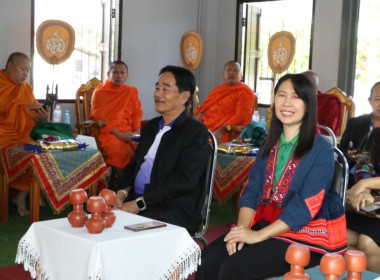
x: 330, y: 108
x: 231, y: 103
x: 118, y: 104
x: 19, y: 110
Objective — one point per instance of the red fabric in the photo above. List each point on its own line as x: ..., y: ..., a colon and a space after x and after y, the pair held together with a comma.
x: 56, y: 180
x: 120, y: 107
x: 16, y: 121
x: 314, y: 235
x: 330, y: 111
x: 14, y: 272
x: 232, y: 178
x: 314, y: 203
x: 225, y: 104
x: 268, y: 212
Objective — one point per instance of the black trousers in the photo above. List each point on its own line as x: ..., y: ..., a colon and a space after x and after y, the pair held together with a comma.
x: 255, y: 261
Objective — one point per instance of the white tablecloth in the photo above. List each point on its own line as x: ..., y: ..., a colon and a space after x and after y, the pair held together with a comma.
x: 55, y: 250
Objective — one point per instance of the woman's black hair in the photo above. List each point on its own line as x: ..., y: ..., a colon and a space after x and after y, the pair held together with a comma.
x: 306, y: 91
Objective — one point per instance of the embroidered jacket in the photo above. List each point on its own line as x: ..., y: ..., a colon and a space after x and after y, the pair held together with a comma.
x: 303, y: 198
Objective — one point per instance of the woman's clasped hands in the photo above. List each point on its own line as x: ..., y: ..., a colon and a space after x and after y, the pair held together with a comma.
x: 238, y: 236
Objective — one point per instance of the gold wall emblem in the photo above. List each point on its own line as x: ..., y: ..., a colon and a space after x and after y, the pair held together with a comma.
x: 281, y: 51
x: 55, y: 40
x: 191, y: 49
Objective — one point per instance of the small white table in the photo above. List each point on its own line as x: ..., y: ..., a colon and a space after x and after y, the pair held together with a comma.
x: 55, y: 250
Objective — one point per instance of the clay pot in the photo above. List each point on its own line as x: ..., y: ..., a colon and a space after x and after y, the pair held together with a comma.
x: 110, y: 198
x: 332, y: 265
x: 77, y: 217
x: 356, y: 263
x: 96, y: 205
x: 298, y: 256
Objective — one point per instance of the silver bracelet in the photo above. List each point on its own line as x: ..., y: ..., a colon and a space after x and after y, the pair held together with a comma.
x: 125, y: 192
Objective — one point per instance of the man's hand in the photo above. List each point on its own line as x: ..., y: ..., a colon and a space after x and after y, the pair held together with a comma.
x: 219, y: 134
x: 353, y: 155
x: 360, y: 200
x: 123, y: 136
x: 40, y: 114
x: 121, y: 195
x: 130, y: 207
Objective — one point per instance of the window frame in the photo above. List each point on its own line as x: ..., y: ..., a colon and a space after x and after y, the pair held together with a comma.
x: 117, y: 48
x: 239, y: 2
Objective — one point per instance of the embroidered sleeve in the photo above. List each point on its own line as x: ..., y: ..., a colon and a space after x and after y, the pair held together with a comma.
x: 314, y: 203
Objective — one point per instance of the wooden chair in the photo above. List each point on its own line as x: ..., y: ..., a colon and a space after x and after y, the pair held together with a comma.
x: 84, y: 124
x: 194, y: 103
x: 348, y: 108
x: 26, y: 182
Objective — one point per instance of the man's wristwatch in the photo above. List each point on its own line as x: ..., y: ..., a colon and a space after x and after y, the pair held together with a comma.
x: 140, y: 203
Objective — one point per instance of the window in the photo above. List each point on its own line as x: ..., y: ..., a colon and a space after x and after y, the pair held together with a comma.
x: 257, y: 22
x: 96, y: 26
x: 367, y: 55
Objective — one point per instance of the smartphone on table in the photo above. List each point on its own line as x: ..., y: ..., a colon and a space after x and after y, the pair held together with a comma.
x: 145, y: 226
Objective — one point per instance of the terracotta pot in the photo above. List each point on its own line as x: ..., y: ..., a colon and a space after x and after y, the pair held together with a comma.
x: 96, y: 205
x: 332, y: 265
x: 78, y: 196
x: 77, y: 217
x: 356, y: 263
x: 110, y: 198
x: 298, y: 256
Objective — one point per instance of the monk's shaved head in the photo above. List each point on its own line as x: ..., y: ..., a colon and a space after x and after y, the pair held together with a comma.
x: 15, y: 57
x: 18, y: 67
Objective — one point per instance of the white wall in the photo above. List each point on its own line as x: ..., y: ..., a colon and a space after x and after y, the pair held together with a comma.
x: 218, y: 23
x: 15, y: 28
x: 151, y: 36
x: 327, y: 25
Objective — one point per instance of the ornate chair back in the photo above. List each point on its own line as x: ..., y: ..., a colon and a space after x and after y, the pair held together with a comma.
x: 85, y: 125
x: 348, y: 108
x: 83, y: 105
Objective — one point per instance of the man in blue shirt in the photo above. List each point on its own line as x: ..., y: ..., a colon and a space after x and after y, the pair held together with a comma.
x: 165, y: 178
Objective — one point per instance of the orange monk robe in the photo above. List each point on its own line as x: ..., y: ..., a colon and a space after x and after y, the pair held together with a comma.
x: 231, y: 105
x: 120, y: 107
x: 16, y: 120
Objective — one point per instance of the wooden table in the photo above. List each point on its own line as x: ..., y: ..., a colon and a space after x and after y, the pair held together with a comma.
x: 55, y: 250
x: 55, y: 173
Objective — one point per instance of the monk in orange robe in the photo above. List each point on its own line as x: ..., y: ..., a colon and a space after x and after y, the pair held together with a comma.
x: 19, y: 110
x: 118, y: 104
x: 330, y: 108
x: 231, y: 103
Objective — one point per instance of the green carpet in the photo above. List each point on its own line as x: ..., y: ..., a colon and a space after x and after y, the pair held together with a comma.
x: 12, y: 231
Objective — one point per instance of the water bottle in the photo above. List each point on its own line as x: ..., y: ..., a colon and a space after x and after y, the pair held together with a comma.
x: 66, y: 117
x: 262, y: 121
x: 57, y: 114
x: 256, y: 117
